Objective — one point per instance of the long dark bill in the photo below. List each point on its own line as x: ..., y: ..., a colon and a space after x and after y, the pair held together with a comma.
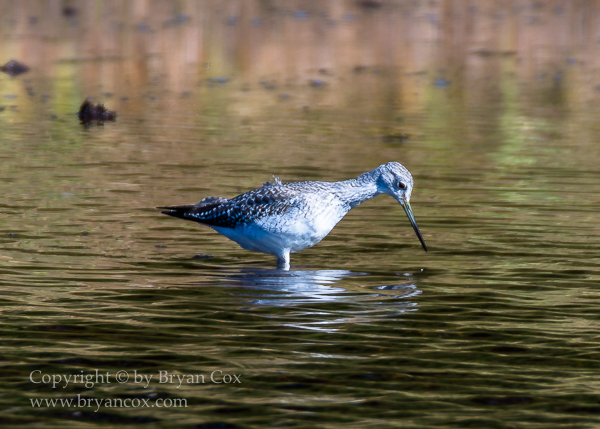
x: 413, y: 222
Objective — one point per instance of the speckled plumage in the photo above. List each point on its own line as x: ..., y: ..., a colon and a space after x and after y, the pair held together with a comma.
x: 283, y: 218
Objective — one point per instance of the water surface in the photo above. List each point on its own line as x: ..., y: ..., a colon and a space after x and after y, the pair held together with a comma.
x: 496, y: 326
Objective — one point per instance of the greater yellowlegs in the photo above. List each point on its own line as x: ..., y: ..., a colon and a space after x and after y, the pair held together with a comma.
x: 283, y: 218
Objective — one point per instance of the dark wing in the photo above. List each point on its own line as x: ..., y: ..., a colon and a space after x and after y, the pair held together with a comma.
x: 270, y: 200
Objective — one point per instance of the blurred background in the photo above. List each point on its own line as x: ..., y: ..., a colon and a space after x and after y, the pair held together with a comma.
x: 485, y: 52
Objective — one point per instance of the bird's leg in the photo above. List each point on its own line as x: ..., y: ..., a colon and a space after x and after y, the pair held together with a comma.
x: 283, y: 260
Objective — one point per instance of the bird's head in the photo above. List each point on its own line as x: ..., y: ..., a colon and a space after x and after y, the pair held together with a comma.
x: 396, y: 181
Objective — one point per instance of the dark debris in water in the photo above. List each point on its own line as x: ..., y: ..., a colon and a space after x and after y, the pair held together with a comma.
x: 202, y: 256
x: 221, y: 80
x: 268, y: 84
x: 69, y: 11
x: 14, y: 68
x: 370, y: 4
x: 396, y: 137
x: 89, y: 113
x: 316, y: 83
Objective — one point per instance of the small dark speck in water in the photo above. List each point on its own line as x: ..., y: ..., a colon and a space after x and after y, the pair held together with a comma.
x: 161, y: 246
x: 2, y: 108
x: 370, y: 4
x: 84, y: 233
x: 359, y: 69
x: 317, y: 83
x: 300, y: 14
x: 89, y: 113
x: 441, y: 82
x: 267, y: 85
x: 218, y: 80
x: 396, y: 137
x: 284, y: 97
x: 69, y: 11
x: 202, y: 256
x: 14, y: 68
x: 179, y: 19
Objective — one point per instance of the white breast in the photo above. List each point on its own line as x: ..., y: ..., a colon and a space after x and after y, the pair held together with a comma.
x: 297, y: 230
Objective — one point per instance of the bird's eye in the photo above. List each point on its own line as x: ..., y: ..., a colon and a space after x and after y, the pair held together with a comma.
x: 401, y: 185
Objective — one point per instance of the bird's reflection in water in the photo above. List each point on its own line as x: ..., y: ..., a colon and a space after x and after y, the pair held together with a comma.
x: 292, y: 287
x: 298, y: 287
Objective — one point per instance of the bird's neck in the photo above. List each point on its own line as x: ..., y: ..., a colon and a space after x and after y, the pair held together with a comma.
x: 356, y: 191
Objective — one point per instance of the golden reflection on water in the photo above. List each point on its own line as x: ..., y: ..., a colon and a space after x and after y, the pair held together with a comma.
x: 123, y: 47
x: 305, y: 90
x: 243, y: 69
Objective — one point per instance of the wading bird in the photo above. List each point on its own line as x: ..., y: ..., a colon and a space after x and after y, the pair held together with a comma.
x: 283, y: 218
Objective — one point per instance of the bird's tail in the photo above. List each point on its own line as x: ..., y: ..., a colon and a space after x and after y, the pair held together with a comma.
x: 210, y: 211
x: 177, y: 211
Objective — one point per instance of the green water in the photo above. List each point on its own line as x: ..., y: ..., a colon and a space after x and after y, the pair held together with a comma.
x: 495, y: 327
